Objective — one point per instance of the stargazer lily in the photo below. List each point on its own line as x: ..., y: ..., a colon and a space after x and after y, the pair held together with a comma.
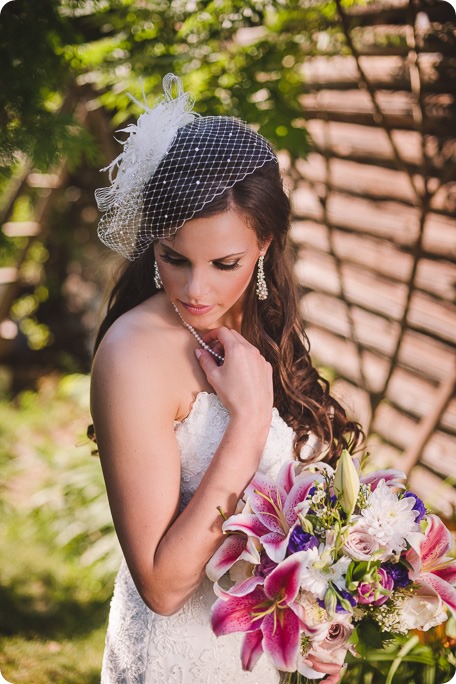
x: 267, y: 614
x: 273, y: 509
x: 431, y: 565
x: 235, y: 547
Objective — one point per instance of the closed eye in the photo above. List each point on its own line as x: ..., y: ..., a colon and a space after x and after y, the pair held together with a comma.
x: 178, y: 261
x: 226, y: 267
x: 172, y: 260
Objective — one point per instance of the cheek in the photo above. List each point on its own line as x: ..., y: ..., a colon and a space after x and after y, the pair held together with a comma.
x: 239, y: 283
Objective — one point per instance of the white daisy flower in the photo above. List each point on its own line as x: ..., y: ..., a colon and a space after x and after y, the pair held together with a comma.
x: 388, y: 519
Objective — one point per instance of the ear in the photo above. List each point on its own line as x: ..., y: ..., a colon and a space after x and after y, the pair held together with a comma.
x: 265, y: 246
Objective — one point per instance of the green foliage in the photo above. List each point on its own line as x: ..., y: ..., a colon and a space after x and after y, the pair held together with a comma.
x: 239, y: 58
x: 53, y: 609
x: 35, y: 81
x: 421, y: 658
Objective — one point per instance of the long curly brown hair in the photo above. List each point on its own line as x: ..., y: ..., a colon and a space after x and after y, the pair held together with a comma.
x: 274, y: 325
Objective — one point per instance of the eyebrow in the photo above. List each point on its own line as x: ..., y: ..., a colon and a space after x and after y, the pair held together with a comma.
x: 173, y: 251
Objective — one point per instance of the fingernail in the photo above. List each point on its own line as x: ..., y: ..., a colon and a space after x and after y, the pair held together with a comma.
x: 197, y: 353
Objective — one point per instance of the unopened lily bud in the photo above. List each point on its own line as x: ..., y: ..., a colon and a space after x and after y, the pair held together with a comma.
x: 305, y: 524
x: 346, y: 482
x: 331, y: 602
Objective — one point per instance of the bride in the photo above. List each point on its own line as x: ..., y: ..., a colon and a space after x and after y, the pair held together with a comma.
x: 201, y: 377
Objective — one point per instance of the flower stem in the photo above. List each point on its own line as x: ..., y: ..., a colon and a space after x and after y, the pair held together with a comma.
x: 406, y: 648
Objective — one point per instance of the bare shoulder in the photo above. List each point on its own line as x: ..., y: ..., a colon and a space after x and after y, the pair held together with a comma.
x: 136, y: 356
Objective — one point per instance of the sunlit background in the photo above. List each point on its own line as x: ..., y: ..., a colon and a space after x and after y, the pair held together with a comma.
x: 358, y: 98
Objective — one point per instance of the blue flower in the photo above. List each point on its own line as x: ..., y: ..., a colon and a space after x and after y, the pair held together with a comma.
x: 301, y: 541
x: 398, y: 573
x: 418, y: 506
x: 340, y: 593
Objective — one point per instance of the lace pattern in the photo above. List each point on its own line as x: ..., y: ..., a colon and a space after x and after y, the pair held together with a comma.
x: 145, y: 648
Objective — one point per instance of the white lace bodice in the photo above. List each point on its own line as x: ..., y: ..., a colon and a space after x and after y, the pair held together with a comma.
x: 145, y: 648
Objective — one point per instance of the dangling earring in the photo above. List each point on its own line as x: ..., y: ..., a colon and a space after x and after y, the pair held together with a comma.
x: 261, y: 287
x: 157, y: 278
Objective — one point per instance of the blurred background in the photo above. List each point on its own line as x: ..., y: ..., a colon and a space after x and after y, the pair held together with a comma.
x: 359, y: 100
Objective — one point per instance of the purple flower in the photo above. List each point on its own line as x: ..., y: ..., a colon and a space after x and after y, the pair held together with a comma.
x: 343, y: 593
x: 340, y: 593
x: 367, y: 591
x: 265, y: 567
x: 418, y: 506
x: 301, y: 541
x: 398, y: 573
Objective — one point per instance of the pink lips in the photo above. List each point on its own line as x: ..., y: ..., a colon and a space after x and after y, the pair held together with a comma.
x: 197, y: 309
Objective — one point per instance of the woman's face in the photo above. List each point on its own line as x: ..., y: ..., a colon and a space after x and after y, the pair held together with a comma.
x: 207, y: 266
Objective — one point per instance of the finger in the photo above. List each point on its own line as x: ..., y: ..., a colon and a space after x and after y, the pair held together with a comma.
x: 207, y: 362
x: 222, y: 335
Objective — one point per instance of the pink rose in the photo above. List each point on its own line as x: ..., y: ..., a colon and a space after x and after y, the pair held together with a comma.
x: 328, y: 651
x: 360, y: 545
x: 367, y: 591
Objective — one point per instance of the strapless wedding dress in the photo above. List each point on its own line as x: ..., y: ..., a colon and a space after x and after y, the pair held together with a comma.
x: 145, y: 648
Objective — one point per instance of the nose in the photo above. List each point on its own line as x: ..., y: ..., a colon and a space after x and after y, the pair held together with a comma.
x: 196, y: 286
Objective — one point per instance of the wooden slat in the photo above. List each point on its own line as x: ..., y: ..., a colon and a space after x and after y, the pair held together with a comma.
x: 370, y: 181
x: 442, y: 413
x: 341, y: 355
x: 391, y: 221
x: 360, y: 286
x: 421, y: 360
x: 380, y: 258
x: 432, y: 317
x: 8, y: 274
x: 371, y: 145
x: 438, y: 495
x: 419, y: 353
x: 385, y: 72
x: 21, y: 228
x: 353, y: 178
x: 43, y: 180
x: 400, y: 430
x: 378, y: 255
x: 416, y: 396
x: 355, y: 106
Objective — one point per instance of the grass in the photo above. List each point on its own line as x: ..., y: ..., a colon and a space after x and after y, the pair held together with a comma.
x: 53, y: 609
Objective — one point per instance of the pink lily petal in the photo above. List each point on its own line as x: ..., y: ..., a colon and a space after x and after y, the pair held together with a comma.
x: 436, y: 544
x: 226, y: 556
x: 275, y: 545
x: 298, y: 493
x: 286, y: 476
x: 252, y: 649
x: 447, y: 572
x: 392, y: 477
x: 281, y: 639
x: 245, y: 522
x: 266, y: 500
x: 234, y: 614
x: 414, y: 559
x: 245, y: 587
x: 285, y: 579
x: 446, y: 592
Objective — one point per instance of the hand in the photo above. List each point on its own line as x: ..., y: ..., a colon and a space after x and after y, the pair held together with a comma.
x: 244, y: 381
x: 334, y: 671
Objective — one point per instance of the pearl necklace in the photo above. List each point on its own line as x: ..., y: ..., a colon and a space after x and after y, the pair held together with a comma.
x: 198, y: 337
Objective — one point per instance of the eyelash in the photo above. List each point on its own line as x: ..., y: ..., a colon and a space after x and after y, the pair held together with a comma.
x: 180, y: 262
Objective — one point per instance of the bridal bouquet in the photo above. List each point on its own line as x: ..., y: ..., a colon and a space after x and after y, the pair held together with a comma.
x: 313, y: 556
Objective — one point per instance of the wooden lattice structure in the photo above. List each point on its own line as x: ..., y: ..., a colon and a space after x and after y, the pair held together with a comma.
x: 375, y: 231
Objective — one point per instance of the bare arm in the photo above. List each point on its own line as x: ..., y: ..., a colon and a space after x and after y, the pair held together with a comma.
x: 133, y: 407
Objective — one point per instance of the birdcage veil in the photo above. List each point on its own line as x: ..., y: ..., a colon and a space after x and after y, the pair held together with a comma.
x: 173, y: 163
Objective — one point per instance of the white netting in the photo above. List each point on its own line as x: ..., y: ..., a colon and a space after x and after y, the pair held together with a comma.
x: 174, y: 162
